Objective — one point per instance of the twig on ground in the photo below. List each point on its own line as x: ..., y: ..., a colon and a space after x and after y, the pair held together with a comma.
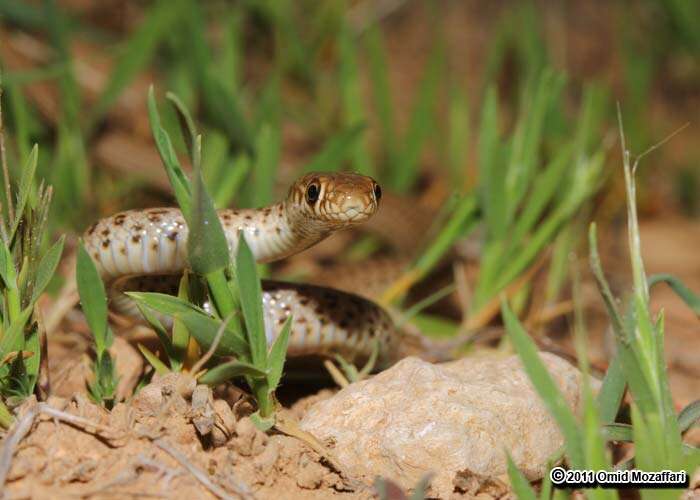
x: 22, y: 427
x: 241, y: 490
x: 165, y: 472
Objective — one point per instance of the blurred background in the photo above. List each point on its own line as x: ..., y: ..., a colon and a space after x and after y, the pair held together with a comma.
x: 492, y: 127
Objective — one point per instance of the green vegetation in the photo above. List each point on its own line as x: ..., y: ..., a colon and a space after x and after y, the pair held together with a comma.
x: 93, y: 300
x: 26, y: 267
x: 278, y: 88
x: 237, y: 329
x: 639, y: 365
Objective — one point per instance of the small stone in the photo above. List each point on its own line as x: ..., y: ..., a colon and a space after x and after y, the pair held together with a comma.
x: 224, y: 423
x: 417, y: 417
x: 202, y: 413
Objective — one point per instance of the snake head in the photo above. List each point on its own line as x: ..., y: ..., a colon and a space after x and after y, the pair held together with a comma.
x: 335, y: 200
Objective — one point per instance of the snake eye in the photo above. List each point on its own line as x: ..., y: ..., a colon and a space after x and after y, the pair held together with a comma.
x: 312, y: 192
x: 377, y: 192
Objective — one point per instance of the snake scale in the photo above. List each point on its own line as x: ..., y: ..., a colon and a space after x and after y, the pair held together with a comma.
x: 145, y: 249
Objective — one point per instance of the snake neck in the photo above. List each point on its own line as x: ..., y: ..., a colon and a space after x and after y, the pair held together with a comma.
x: 272, y: 232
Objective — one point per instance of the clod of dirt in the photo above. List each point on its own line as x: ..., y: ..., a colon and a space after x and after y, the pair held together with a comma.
x: 417, y: 417
x: 249, y: 440
x: 171, y: 389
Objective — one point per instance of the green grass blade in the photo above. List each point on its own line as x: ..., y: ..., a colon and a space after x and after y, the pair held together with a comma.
x: 207, y: 247
x: 230, y: 186
x: 204, y: 329
x: 278, y: 353
x: 608, y: 298
x: 60, y: 34
x: 13, y: 338
x: 377, y: 60
x: 336, y: 150
x: 92, y: 298
x: 519, y: 483
x: 545, y: 386
x: 618, y: 432
x: 491, y: 169
x: 26, y: 184
x: 8, y: 273
x: 458, y: 143
x: 612, y: 390
x: 178, y: 180
x: 138, y: 52
x: 232, y: 52
x: 46, y: 268
x: 220, y: 105
x: 160, y: 330
x: 153, y: 360
x: 164, y: 303
x: 229, y: 370
x: 251, y: 302
x: 353, y: 103
x: 691, y: 299
x: 187, y: 126
x: 421, y: 123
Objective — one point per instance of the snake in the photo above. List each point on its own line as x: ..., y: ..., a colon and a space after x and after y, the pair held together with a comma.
x: 143, y: 250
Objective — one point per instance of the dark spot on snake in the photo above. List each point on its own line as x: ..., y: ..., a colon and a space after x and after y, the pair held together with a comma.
x: 280, y: 321
x: 158, y: 211
x: 105, y: 232
x: 226, y: 216
x: 105, y: 243
x: 119, y: 219
x: 137, y: 227
x: 136, y: 238
x: 154, y: 217
x: 154, y: 246
x: 266, y: 211
x: 122, y: 250
x: 96, y: 255
x: 248, y: 217
x: 301, y: 321
x: 172, y: 236
x: 278, y: 230
x: 91, y: 229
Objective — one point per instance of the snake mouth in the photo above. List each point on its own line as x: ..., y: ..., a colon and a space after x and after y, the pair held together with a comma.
x: 356, y: 215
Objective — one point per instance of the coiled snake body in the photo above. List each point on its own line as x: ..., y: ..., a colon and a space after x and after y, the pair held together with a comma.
x: 139, y: 249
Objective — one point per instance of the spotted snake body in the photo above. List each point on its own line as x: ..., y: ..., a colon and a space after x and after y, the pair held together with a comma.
x: 145, y: 249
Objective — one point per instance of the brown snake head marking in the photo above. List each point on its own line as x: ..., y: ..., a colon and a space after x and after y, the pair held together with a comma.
x: 331, y: 201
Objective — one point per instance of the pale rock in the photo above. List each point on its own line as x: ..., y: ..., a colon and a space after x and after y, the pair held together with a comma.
x: 417, y: 417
